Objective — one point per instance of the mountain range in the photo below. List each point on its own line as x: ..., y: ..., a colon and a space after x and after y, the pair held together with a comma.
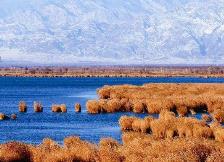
x: 112, y: 31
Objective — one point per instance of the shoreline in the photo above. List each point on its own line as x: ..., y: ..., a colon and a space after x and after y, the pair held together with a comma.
x: 114, y: 71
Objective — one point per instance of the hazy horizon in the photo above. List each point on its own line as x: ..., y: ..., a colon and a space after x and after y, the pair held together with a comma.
x: 71, y: 32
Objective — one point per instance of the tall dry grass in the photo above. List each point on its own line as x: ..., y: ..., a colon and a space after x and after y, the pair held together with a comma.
x: 2, y: 116
x: 182, y: 99
x: 37, y: 106
x: 59, y: 108
x: 169, y: 126
x: 22, y: 106
x: 77, y: 107
x: 136, y: 146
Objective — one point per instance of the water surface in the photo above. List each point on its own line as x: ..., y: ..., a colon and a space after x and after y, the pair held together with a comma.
x: 32, y: 127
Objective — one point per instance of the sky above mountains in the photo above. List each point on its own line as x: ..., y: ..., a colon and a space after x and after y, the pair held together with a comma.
x: 112, y: 32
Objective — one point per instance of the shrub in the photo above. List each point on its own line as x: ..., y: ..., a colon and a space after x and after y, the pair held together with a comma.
x: 22, y: 106
x: 77, y: 107
x: 93, y: 107
x: 37, y: 107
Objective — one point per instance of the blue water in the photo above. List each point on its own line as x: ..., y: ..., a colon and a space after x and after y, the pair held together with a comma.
x: 32, y: 127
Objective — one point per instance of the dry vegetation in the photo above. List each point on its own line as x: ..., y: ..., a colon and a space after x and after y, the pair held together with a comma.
x: 136, y: 147
x: 22, y: 106
x: 114, y: 71
x: 172, y: 137
x: 59, y: 108
x: 77, y: 107
x: 37, y: 107
x: 168, y: 138
x: 182, y: 99
x: 169, y: 126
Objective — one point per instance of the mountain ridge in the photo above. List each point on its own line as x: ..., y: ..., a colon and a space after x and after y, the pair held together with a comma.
x: 125, y: 32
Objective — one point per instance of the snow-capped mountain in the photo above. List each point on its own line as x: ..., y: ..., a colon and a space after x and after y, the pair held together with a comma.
x: 112, y: 31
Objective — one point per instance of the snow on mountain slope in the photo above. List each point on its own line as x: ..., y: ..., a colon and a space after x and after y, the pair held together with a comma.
x: 112, y: 31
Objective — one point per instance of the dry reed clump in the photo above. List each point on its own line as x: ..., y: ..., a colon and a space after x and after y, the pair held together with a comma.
x: 142, y: 125
x: 37, y: 107
x: 82, y: 150
x: 214, y: 103
x: 15, y: 152
x: 126, y: 105
x: 136, y: 146
x: 168, y: 126
x: 163, y: 128
x: 202, y: 132
x: 13, y: 116
x: 103, y: 105
x: 93, y: 106
x: 181, y: 98
x: 182, y: 110
x: 113, y: 105
x: 218, y: 131
x: 138, y: 106
x: 167, y: 115
x: 59, y: 108
x: 43, y: 152
x: 146, y: 148
x: 128, y: 123
x: 104, y: 92
x: 22, y: 106
x: 218, y: 115
x: 2, y: 116
x: 109, y: 150
x: 125, y: 122
x: 63, y: 108
x: 206, y: 118
x: 77, y: 107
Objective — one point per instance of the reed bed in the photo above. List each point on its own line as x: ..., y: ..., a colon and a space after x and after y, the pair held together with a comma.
x: 169, y: 126
x: 136, y: 147
x: 183, y: 99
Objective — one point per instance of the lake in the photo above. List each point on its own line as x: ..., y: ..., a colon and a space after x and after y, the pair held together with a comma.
x: 32, y: 127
